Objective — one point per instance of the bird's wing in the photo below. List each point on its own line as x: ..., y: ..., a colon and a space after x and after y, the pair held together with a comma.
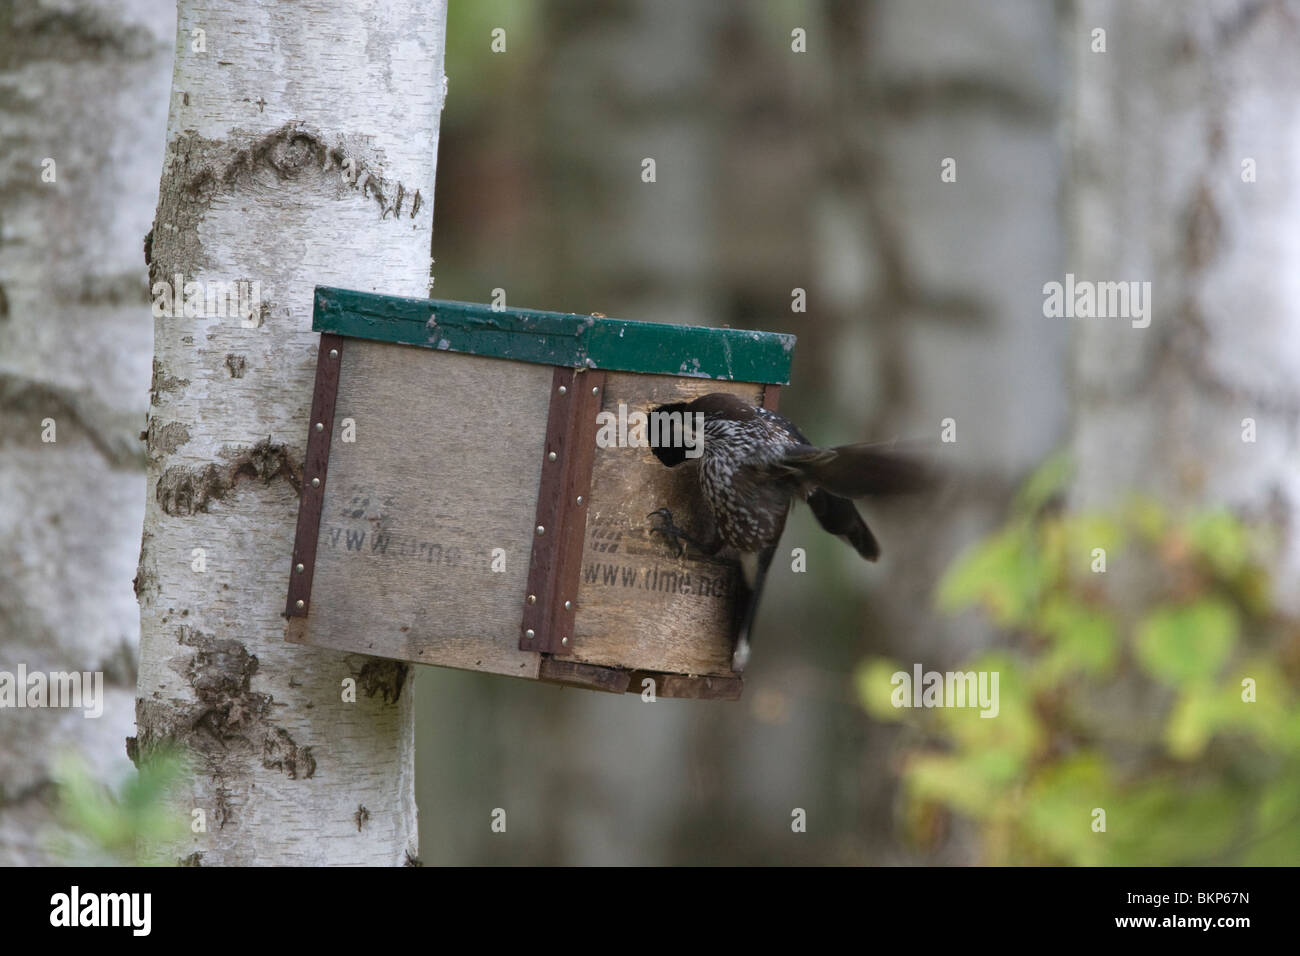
x: 856, y: 471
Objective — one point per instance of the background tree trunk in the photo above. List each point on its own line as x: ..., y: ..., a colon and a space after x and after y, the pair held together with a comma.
x: 921, y: 294
x: 1163, y: 122
x: 775, y: 170
x: 272, y: 104
x: 82, y: 84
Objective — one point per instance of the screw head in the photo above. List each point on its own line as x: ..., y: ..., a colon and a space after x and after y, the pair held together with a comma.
x: 334, y: 353
x: 568, y: 605
x: 552, y: 456
x: 320, y: 426
x: 299, y: 604
x: 532, y: 599
x: 595, y: 390
x: 579, y: 499
x: 315, y: 482
x: 563, y: 390
x: 564, y: 641
x: 299, y: 569
x: 541, y: 529
x: 530, y: 634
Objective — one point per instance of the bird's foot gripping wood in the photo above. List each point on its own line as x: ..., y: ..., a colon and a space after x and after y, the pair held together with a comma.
x: 674, y: 535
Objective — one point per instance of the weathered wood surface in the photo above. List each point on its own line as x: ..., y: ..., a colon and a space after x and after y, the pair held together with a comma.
x: 561, y: 671
x: 443, y: 471
x: 446, y: 467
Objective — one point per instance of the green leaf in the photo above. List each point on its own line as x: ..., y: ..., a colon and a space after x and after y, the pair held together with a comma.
x: 1083, y: 640
x: 1085, y: 532
x: 1148, y: 517
x: 1192, y: 722
x: 873, y: 680
x: 1048, y: 480
x: 1184, y: 643
x: 1002, y: 574
x: 971, y: 784
x: 1222, y: 540
x: 1059, y: 808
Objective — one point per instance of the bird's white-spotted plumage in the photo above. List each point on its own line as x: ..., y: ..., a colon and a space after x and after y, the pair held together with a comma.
x: 748, y: 507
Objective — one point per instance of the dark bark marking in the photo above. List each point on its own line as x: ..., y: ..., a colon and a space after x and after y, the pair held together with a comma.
x: 165, y: 439
x: 184, y: 490
x: 381, y: 676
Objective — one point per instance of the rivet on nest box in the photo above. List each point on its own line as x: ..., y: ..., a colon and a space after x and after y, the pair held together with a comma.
x: 551, y: 457
x: 563, y: 390
x: 315, y: 482
x: 530, y: 633
x: 541, y: 530
x: 299, y: 569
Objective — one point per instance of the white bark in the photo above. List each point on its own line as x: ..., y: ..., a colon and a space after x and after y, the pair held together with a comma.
x: 262, y: 125
x: 1164, y: 120
x: 83, y: 85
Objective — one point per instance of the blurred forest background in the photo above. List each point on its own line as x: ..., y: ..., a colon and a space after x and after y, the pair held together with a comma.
x: 779, y: 170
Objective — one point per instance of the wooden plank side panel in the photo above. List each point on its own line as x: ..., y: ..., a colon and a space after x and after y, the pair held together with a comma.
x: 562, y: 671
x: 681, y: 687
x: 444, y: 470
x: 640, y: 606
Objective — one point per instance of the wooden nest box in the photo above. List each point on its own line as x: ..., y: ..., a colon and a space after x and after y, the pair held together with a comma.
x: 456, y: 508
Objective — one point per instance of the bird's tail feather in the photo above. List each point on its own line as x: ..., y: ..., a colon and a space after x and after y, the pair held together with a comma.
x: 749, y: 590
x: 838, y: 516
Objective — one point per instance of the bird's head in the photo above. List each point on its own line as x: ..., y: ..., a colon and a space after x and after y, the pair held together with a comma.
x: 713, y: 407
x: 671, y: 454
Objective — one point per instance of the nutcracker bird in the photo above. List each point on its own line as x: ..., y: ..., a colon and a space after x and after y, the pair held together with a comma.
x: 752, y: 464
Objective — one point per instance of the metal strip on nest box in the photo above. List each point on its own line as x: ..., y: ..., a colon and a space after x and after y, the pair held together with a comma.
x: 560, y: 525
x: 312, y: 496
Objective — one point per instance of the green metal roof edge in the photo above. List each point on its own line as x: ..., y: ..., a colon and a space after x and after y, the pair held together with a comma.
x: 557, y: 338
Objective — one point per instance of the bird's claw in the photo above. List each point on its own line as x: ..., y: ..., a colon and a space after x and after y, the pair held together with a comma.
x: 669, y: 530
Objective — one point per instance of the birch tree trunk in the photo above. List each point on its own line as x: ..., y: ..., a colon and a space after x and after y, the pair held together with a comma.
x: 82, y: 114
x: 1187, y: 151
x: 922, y: 281
x: 301, y: 151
